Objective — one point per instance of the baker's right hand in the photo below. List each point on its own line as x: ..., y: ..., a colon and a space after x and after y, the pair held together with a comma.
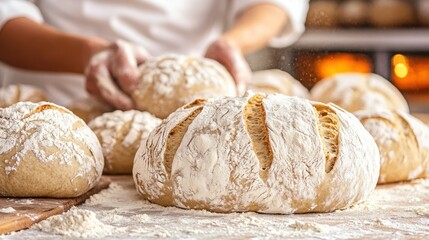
x: 113, y: 74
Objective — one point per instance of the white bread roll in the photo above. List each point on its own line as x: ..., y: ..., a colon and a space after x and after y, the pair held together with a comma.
x: 403, y: 142
x: 171, y: 81
x: 46, y: 151
x: 359, y: 91
x: 120, y: 134
x: 12, y: 94
x: 277, y: 81
x: 271, y: 154
x: 89, y: 108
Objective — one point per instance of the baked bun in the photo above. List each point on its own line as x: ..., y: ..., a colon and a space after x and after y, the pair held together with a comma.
x: 89, y: 108
x: 270, y: 154
x: 403, y: 142
x: 169, y: 82
x: 391, y: 13
x: 46, y: 151
x: 12, y: 94
x: 353, y: 13
x: 359, y: 91
x: 120, y: 134
x: 277, y: 81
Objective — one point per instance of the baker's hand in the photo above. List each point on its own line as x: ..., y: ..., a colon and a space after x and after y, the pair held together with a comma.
x: 113, y: 74
x: 231, y: 57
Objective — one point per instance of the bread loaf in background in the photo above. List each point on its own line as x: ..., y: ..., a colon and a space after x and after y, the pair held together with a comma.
x: 353, y: 13
x: 171, y: 81
x: 277, y: 81
x: 391, y: 13
x: 12, y: 94
x: 89, y: 108
x: 120, y: 134
x: 46, y: 151
x: 322, y: 14
x: 359, y: 91
x: 403, y: 142
x: 263, y: 153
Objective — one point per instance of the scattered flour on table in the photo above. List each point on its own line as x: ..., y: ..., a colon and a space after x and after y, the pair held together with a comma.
x: 75, y: 223
x: 7, y: 210
x: 303, y: 226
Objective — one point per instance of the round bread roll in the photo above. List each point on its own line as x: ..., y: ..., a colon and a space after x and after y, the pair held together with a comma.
x: 391, y: 13
x: 322, y: 14
x: 120, y: 134
x: 46, y: 151
x: 353, y: 13
x: 423, y: 11
x: 89, y: 108
x: 12, y: 94
x: 358, y: 91
x: 277, y: 81
x: 403, y: 142
x: 270, y: 154
x: 169, y: 82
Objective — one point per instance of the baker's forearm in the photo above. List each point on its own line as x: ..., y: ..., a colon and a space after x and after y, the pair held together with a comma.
x: 256, y: 26
x: 33, y: 46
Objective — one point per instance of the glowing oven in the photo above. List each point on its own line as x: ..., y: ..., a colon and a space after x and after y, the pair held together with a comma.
x: 399, y: 55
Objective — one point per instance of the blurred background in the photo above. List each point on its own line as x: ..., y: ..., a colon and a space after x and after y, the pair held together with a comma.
x: 388, y: 37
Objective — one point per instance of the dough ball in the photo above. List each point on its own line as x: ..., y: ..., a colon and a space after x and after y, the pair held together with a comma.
x: 169, y: 82
x: 89, y: 108
x: 357, y: 91
x: 277, y: 81
x: 391, y: 13
x: 322, y: 14
x: 353, y: 13
x: 46, y: 151
x: 403, y: 142
x: 120, y: 134
x: 264, y: 153
x: 12, y: 94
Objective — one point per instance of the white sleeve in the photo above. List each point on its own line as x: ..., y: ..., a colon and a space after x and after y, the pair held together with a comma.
x: 18, y: 8
x: 296, y: 10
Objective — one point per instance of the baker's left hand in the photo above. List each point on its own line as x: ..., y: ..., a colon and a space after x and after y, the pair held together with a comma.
x: 230, y: 56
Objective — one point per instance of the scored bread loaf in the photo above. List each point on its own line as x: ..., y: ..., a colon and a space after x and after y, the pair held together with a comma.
x: 171, y: 81
x: 263, y: 153
x: 359, y: 91
x: 12, y: 94
x: 120, y: 134
x: 277, y: 81
x: 46, y: 151
x: 89, y: 108
x: 403, y: 142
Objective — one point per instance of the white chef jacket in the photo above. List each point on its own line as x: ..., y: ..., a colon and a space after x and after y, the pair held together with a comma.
x: 160, y: 26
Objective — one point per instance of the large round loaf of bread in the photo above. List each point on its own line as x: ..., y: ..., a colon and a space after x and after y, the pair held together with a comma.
x: 169, y: 82
x: 359, y: 91
x: 120, y: 134
x: 46, y: 151
x: 12, y: 94
x: 271, y: 154
x: 403, y: 142
x: 277, y: 81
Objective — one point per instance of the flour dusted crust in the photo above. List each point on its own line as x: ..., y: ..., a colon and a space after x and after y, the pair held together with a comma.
x: 120, y: 134
x: 258, y: 153
x: 46, y: 151
x: 12, y: 94
x: 277, y: 81
x: 403, y: 142
x: 89, y: 108
x: 358, y: 91
x: 171, y: 81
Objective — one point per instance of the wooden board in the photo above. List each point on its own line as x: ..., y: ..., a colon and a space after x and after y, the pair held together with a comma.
x: 29, y: 211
